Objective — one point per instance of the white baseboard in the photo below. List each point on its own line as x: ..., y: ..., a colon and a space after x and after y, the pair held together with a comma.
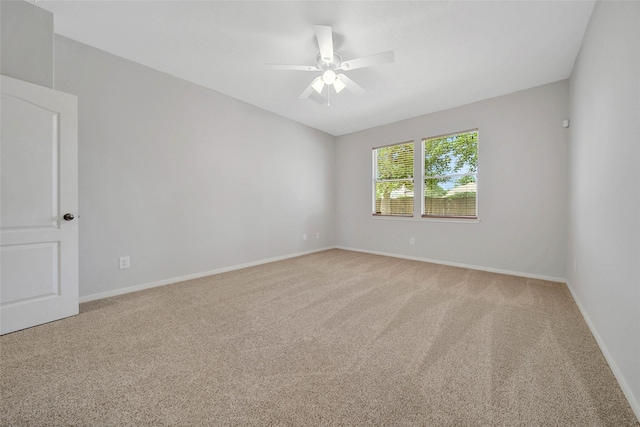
x: 172, y: 280
x: 458, y: 264
x: 633, y: 402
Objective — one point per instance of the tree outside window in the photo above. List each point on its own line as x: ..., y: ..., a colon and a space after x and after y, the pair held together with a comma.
x: 450, y: 175
x: 393, y: 180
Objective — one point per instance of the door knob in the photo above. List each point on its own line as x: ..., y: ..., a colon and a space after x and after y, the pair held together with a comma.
x: 68, y: 217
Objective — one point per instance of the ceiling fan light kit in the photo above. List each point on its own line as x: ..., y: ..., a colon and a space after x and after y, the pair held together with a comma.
x: 338, y: 85
x: 328, y: 77
x: 328, y: 62
x: 318, y: 84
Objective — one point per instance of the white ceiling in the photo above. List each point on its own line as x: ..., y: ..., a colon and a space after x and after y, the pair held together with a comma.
x: 446, y: 53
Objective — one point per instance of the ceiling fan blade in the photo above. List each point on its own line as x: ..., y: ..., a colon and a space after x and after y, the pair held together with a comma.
x: 325, y: 42
x: 351, y: 86
x: 318, y: 98
x: 310, y: 90
x: 368, y: 61
x: 292, y: 67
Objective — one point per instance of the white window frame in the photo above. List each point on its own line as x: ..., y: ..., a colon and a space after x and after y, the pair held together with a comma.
x: 454, y: 175
x: 375, y: 180
x: 419, y: 185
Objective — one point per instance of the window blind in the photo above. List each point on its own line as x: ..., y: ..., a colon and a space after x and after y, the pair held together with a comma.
x: 393, y: 180
x: 450, y: 175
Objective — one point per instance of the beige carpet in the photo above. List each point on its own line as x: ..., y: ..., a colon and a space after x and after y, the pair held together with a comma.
x: 332, y: 338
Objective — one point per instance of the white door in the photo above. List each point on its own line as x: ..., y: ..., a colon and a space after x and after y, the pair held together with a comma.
x: 39, y: 186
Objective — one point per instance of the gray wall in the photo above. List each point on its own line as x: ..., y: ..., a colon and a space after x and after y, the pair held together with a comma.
x: 603, y: 268
x: 185, y: 180
x: 26, y: 42
x: 521, y: 181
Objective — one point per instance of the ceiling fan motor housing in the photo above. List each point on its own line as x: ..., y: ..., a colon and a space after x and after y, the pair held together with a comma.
x: 333, y: 65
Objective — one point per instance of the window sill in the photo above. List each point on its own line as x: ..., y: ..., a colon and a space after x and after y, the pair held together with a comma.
x: 421, y: 219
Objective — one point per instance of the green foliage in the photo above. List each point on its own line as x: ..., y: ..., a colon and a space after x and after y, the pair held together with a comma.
x: 394, y: 162
x: 451, y: 154
x: 433, y: 189
x: 447, y: 155
x: 464, y: 180
x: 469, y: 194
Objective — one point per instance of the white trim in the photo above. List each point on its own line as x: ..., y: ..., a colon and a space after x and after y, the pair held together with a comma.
x: 459, y: 264
x: 421, y: 219
x: 172, y: 280
x: 635, y: 405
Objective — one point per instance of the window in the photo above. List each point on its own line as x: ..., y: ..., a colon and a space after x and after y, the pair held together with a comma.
x: 450, y: 175
x: 393, y: 180
x: 448, y: 184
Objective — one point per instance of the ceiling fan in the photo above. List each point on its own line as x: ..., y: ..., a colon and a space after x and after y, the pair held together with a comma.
x: 330, y: 63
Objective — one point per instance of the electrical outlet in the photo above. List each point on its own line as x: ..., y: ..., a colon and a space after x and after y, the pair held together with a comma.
x: 125, y: 262
x: 318, y: 235
x: 304, y: 237
x: 412, y: 241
